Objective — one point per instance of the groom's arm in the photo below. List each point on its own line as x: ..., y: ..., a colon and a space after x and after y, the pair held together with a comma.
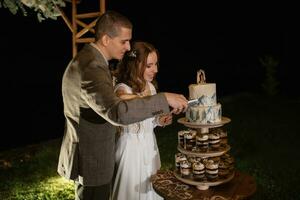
x: 97, y: 90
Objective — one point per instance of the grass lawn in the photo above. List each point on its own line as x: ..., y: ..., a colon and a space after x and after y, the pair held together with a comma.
x: 262, y: 133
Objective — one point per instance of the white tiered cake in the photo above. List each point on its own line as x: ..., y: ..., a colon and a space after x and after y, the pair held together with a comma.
x: 206, y: 110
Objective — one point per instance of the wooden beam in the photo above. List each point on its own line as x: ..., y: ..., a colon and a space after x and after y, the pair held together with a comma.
x: 75, y: 21
x: 86, y: 29
x: 82, y: 24
x: 85, y: 40
x: 88, y: 15
x: 74, y: 27
x: 102, y: 6
x: 65, y: 18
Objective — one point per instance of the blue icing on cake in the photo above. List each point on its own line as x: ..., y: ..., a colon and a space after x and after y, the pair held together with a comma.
x: 207, y: 111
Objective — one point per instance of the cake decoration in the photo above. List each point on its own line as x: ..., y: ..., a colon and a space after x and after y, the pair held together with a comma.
x: 203, y: 107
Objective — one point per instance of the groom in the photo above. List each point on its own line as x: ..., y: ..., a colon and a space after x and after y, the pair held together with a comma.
x: 92, y: 111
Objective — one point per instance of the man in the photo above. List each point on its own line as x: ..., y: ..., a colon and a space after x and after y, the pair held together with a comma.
x: 92, y: 110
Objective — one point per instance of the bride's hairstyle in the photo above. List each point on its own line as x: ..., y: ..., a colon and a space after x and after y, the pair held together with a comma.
x: 131, y: 68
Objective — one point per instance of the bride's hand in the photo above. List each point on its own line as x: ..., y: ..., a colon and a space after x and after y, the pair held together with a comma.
x: 165, y: 120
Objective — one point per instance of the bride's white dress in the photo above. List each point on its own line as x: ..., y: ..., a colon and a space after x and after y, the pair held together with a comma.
x: 137, y: 158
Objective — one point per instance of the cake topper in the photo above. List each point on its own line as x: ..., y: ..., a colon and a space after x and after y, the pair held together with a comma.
x: 201, y: 76
x: 200, y: 80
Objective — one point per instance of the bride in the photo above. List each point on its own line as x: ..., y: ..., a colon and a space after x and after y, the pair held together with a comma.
x: 137, y: 154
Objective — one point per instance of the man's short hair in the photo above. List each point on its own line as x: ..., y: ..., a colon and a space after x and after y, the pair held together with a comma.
x: 110, y: 23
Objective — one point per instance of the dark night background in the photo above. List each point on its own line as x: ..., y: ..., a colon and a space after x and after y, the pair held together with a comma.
x: 225, y: 41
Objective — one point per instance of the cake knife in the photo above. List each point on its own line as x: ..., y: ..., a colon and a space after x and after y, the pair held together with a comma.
x: 193, y: 102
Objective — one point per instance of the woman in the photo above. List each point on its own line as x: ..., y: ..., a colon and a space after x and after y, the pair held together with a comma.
x: 137, y: 155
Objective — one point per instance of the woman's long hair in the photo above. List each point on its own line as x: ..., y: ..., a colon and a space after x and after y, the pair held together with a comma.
x: 131, y: 68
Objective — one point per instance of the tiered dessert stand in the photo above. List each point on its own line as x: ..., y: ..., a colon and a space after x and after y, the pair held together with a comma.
x: 204, y: 129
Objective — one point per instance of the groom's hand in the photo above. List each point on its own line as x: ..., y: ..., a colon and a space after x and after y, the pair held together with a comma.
x: 177, y: 101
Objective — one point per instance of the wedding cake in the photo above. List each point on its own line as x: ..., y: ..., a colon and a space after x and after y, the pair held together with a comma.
x: 203, y: 108
x: 203, y: 159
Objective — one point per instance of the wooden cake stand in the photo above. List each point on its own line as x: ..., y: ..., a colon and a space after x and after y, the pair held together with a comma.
x: 211, y: 153
x: 204, y: 129
x: 203, y: 185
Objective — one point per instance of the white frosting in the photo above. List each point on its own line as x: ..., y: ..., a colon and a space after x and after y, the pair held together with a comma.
x: 181, y: 133
x: 211, y: 165
x: 202, y: 137
x: 205, y: 91
x: 185, y: 164
x: 199, y: 173
x: 198, y: 166
x: 213, y: 136
x: 186, y: 172
x: 190, y: 135
x: 215, y: 171
x: 180, y: 158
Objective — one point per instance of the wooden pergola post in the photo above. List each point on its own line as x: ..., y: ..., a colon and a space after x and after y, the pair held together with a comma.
x: 78, y: 22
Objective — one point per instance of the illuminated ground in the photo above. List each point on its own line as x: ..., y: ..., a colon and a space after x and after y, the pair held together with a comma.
x: 263, y: 135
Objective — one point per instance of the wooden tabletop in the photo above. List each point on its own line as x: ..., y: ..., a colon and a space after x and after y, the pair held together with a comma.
x: 168, y: 186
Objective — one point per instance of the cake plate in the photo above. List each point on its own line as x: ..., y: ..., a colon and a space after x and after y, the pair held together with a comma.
x: 211, y: 153
x: 204, y: 185
x: 203, y: 127
x: 184, y: 121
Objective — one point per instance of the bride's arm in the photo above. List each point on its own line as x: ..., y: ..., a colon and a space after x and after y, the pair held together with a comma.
x: 121, y: 92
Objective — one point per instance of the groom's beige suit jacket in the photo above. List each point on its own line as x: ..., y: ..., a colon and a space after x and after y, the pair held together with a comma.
x: 92, y: 112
